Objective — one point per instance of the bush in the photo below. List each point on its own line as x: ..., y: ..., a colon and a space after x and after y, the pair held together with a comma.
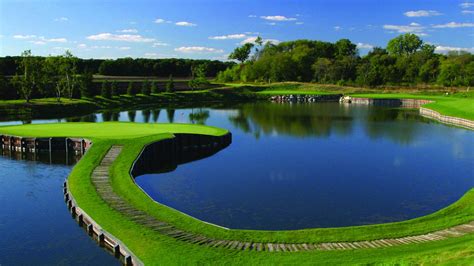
x: 154, y: 88
x: 113, y: 89
x: 105, y: 92
x: 198, y: 83
x: 146, y: 88
x: 130, y: 89
x: 170, y: 84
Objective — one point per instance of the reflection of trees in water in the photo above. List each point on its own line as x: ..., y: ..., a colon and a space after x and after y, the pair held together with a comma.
x: 155, y: 114
x: 170, y: 113
x: 146, y: 115
x: 107, y: 116
x: 293, y: 119
x: 402, y: 133
x: 110, y: 116
x: 199, y: 117
x: 131, y: 116
x: 89, y: 118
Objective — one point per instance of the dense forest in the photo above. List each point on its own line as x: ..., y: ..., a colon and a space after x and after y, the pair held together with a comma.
x: 406, y: 60
x: 28, y: 76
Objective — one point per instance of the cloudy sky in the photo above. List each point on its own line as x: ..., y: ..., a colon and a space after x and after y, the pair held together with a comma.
x: 212, y: 29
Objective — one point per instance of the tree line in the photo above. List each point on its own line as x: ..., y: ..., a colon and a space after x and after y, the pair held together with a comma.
x: 406, y: 60
x: 66, y: 76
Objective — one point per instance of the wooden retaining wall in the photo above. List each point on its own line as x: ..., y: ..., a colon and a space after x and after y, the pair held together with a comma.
x: 106, y: 240
x: 33, y: 145
x: 181, y: 149
x: 403, y: 103
x: 456, y: 121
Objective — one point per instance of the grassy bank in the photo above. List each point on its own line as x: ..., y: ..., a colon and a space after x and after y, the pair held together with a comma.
x: 154, y: 248
x: 457, y: 103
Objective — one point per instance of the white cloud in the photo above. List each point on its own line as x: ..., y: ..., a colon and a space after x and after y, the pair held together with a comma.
x: 467, y: 12
x: 156, y: 44
x: 185, y: 24
x: 336, y: 28
x: 466, y: 5
x: 38, y: 42
x: 299, y: 23
x: 454, y: 25
x: 55, y: 40
x: 128, y: 31
x: 82, y: 45
x: 23, y: 37
x: 446, y: 49
x: 264, y: 41
x: 422, y: 13
x: 198, y: 49
x: 119, y: 37
x: 228, y: 37
x: 160, y: 20
x: 252, y: 16
x: 61, y: 19
x: 271, y: 23
x: 151, y: 54
x: 39, y: 39
x: 364, y: 46
x: 124, y: 48
x: 411, y: 28
x: 101, y: 47
x: 277, y: 18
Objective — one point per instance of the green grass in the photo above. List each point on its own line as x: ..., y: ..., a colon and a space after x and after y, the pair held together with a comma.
x: 458, y: 105
x: 107, y: 130
x: 153, y: 248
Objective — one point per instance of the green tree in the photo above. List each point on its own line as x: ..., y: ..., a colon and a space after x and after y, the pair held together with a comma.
x: 242, y: 53
x: 105, y: 91
x: 113, y: 89
x: 170, y: 84
x: 86, y: 84
x: 345, y: 47
x: 199, y: 80
x: 146, y: 88
x: 154, y: 88
x: 130, y: 89
x: 404, y: 44
x: 31, y: 75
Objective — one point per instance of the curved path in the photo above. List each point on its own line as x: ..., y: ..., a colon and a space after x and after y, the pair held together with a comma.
x: 101, y: 181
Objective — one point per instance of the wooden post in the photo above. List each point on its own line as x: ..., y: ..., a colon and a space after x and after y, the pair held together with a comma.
x: 101, y: 238
x: 117, y: 250
x: 66, y: 197
x: 73, y: 211
x: 81, y: 219
x: 69, y: 204
x: 90, y: 229
x: 50, y: 158
x: 128, y: 260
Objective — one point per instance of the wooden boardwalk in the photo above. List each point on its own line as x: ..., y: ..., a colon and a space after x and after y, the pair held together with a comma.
x: 100, y: 179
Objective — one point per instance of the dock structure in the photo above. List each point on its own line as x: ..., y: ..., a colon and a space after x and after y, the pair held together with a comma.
x: 179, y: 146
x: 34, y: 145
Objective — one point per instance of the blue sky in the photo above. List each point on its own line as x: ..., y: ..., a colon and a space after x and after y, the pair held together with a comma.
x: 212, y: 29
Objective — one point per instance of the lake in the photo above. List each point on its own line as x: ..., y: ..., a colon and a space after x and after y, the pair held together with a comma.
x: 290, y: 166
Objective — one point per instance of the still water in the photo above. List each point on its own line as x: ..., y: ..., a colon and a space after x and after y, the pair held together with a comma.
x: 319, y: 165
x: 288, y: 167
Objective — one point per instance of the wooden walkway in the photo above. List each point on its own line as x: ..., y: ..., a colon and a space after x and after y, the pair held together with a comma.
x: 100, y: 179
